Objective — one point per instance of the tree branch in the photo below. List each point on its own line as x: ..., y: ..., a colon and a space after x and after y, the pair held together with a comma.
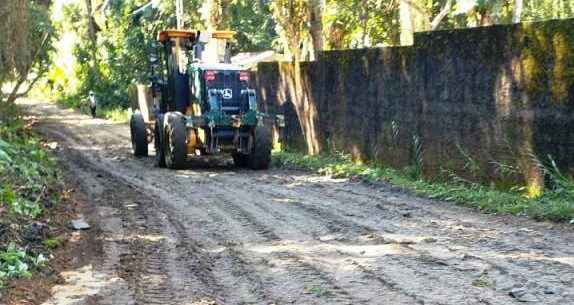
x: 24, y: 76
x: 443, y: 13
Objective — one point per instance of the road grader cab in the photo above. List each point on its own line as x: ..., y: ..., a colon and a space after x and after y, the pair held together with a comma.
x: 199, y: 104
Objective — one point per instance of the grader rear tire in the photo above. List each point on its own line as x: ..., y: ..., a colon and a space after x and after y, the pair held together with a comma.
x: 138, y: 135
x: 175, y: 140
x: 260, y: 156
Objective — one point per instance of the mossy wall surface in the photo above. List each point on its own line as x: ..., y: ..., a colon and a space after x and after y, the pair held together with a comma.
x: 486, y: 103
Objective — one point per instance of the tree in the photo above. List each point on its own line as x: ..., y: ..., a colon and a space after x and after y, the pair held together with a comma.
x: 40, y: 36
x: 406, y: 22
x: 316, y: 8
x: 517, y: 15
x: 14, y: 53
x: 24, y: 50
x: 213, y: 13
x: 447, y: 7
x: 253, y: 23
x: 361, y: 23
x: 291, y: 17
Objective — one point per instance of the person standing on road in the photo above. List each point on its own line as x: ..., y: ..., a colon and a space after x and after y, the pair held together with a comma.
x: 93, y: 104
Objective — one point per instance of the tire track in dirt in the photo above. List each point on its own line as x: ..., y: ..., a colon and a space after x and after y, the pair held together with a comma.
x: 294, y: 263
x: 153, y: 263
x: 311, y: 278
x: 156, y: 294
x: 503, y: 270
x: 285, y: 237
x: 338, y: 225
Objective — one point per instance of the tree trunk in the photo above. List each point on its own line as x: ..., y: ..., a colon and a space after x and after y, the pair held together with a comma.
x: 364, y: 20
x: 406, y: 22
x: 93, y: 39
x: 215, y: 13
x: 91, y: 23
x: 316, y: 25
x: 517, y: 14
x: 24, y: 76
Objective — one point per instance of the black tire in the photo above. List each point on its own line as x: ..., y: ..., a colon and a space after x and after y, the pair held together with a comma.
x: 158, y: 141
x: 175, y: 140
x: 139, y: 135
x: 260, y: 156
x: 240, y: 160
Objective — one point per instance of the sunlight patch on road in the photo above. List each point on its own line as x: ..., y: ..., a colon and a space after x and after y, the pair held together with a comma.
x: 154, y: 238
x: 80, y: 284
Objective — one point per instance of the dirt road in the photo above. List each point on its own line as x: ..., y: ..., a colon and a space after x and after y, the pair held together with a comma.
x: 219, y: 235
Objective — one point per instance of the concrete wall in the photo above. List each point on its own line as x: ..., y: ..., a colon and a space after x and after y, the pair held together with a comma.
x: 486, y: 103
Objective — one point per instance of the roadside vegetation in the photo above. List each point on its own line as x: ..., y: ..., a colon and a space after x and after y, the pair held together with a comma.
x: 30, y: 189
x: 115, y: 113
x: 555, y: 204
x: 30, y: 186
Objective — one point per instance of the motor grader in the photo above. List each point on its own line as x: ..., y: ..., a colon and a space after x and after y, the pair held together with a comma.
x: 199, y: 104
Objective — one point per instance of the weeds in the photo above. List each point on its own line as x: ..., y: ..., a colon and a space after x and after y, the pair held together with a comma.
x: 117, y: 115
x: 415, y: 171
x: 470, y: 163
x: 53, y: 242
x: 28, y: 180
x: 15, y: 263
x: 26, y: 171
x: 556, y: 204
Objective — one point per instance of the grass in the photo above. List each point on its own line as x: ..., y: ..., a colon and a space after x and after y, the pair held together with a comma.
x: 53, y: 242
x: 556, y: 204
x: 115, y: 114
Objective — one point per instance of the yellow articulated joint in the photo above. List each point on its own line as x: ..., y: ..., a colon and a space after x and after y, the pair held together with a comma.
x: 192, y: 141
x: 235, y: 121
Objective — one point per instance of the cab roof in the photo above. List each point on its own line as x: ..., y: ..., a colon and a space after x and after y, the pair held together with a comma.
x: 164, y: 36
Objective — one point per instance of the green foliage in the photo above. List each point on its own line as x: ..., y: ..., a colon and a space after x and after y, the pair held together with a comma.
x: 359, y: 23
x: 536, y: 10
x: 125, y: 29
x: 53, y: 242
x: 127, y: 33
x: 26, y: 171
x: 28, y: 177
x: 17, y: 205
x: 253, y: 23
x: 27, y: 38
x: 117, y: 114
x: 16, y: 262
x: 556, y: 204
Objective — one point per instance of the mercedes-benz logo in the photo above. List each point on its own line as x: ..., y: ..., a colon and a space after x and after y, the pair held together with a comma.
x: 227, y: 93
